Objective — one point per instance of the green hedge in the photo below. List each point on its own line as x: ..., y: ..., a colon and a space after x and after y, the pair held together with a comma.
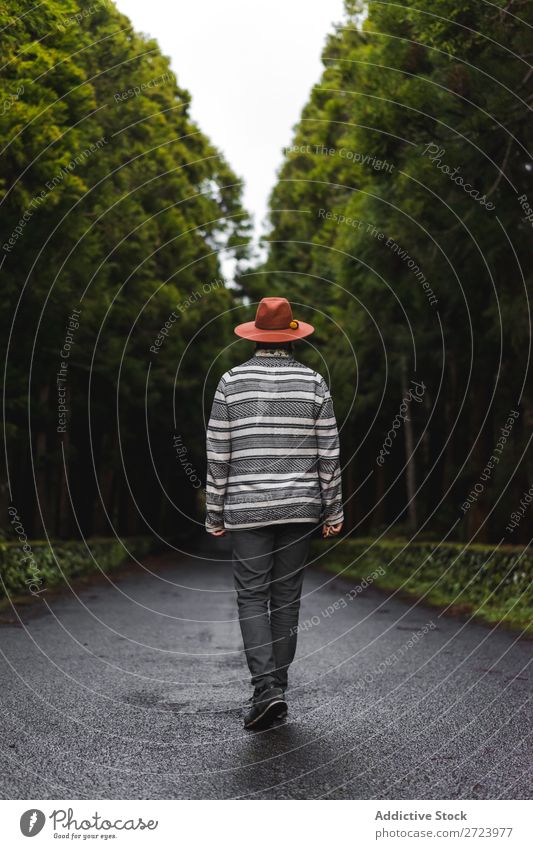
x: 493, y: 584
x: 39, y: 565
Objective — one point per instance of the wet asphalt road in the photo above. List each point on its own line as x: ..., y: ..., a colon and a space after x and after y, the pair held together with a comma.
x: 137, y: 690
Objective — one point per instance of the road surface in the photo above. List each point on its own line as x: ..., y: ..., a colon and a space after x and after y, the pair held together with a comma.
x: 136, y: 691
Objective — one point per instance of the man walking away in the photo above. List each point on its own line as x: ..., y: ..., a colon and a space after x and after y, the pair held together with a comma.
x: 273, y: 474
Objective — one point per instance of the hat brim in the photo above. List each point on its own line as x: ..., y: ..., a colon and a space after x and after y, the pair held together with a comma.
x: 248, y: 330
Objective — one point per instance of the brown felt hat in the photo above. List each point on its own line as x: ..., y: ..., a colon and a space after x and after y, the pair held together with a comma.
x: 274, y: 323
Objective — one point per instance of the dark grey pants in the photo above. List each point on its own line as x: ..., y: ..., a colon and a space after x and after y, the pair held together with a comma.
x: 268, y: 569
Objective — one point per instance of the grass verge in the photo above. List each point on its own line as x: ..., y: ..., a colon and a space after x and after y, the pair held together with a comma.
x: 28, y: 570
x: 492, y: 584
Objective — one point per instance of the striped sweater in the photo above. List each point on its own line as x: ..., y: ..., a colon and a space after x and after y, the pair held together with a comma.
x: 272, y: 446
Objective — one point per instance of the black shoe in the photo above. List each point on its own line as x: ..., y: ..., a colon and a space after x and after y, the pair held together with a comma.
x: 268, y: 704
x: 282, y: 710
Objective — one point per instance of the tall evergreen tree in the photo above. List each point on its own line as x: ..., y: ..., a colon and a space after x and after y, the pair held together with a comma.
x: 113, y: 203
x: 399, y: 219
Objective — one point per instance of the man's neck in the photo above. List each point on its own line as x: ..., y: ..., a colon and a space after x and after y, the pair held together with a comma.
x: 272, y: 352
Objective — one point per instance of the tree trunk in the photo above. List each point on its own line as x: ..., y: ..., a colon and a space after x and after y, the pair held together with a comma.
x: 104, y: 495
x: 42, y: 494
x: 478, y: 528
x: 63, y: 505
x: 410, y: 467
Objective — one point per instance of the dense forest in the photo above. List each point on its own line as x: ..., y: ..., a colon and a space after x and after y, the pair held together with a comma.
x: 400, y: 226
x: 402, y: 221
x: 116, y: 212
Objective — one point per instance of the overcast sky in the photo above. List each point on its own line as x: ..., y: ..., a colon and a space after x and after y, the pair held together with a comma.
x: 249, y: 67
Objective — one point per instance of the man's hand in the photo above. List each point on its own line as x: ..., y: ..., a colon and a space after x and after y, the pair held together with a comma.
x: 219, y: 533
x: 331, y: 530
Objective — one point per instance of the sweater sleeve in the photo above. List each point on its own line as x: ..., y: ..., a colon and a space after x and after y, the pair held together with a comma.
x: 328, y: 466
x: 218, y: 444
